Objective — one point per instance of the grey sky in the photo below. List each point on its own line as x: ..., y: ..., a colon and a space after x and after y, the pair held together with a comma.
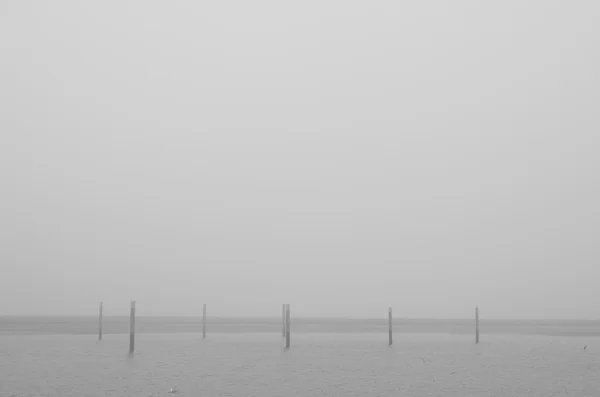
x: 337, y: 155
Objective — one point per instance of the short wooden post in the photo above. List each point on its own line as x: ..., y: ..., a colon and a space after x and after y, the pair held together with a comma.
x: 132, y: 328
x: 204, y: 321
x: 100, y: 322
x: 287, y: 326
x: 283, y: 320
x: 477, y: 325
x: 390, y: 326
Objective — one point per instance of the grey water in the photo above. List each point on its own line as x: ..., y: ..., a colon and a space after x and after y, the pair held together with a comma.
x: 318, y: 364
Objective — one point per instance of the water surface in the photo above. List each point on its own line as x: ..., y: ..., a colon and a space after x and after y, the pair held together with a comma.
x: 318, y: 364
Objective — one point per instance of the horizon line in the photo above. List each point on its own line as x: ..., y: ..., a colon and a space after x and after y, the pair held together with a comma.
x: 383, y: 318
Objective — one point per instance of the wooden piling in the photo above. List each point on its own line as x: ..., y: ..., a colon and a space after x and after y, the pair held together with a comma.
x: 477, y: 325
x: 100, y: 315
x: 390, y: 326
x: 287, y: 326
x: 132, y: 328
x: 204, y: 321
x: 283, y: 324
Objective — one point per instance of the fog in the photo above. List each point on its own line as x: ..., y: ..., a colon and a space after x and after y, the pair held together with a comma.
x: 340, y: 156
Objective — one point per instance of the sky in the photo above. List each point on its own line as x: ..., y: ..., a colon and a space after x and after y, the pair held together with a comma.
x: 340, y: 156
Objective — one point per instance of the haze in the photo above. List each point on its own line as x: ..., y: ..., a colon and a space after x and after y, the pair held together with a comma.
x: 340, y: 156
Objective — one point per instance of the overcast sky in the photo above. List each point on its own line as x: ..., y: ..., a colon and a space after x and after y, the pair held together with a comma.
x: 341, y: 156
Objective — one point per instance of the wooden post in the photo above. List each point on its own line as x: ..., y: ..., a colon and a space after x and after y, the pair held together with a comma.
x: 100, y: 322
x: 283, y: 320
x: 390, y: 326
x: 477, y: 325
x: 204, y: 321
x: 132, y: 328
x: 287, y: 326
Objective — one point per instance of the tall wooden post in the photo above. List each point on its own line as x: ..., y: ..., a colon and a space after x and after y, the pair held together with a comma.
x: 477, y: 325
x: 132, y: 328
x: 390, y: 326
x: 287, y: 326
x: 283, y: 321
x: 100, y: 322
x: 204, y: 321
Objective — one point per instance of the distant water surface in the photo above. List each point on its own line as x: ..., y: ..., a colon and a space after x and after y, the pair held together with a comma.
x: 120, y: 324
x: 318, y: 364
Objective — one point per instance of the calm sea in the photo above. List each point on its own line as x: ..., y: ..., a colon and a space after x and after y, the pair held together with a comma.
x: 330, y: 363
